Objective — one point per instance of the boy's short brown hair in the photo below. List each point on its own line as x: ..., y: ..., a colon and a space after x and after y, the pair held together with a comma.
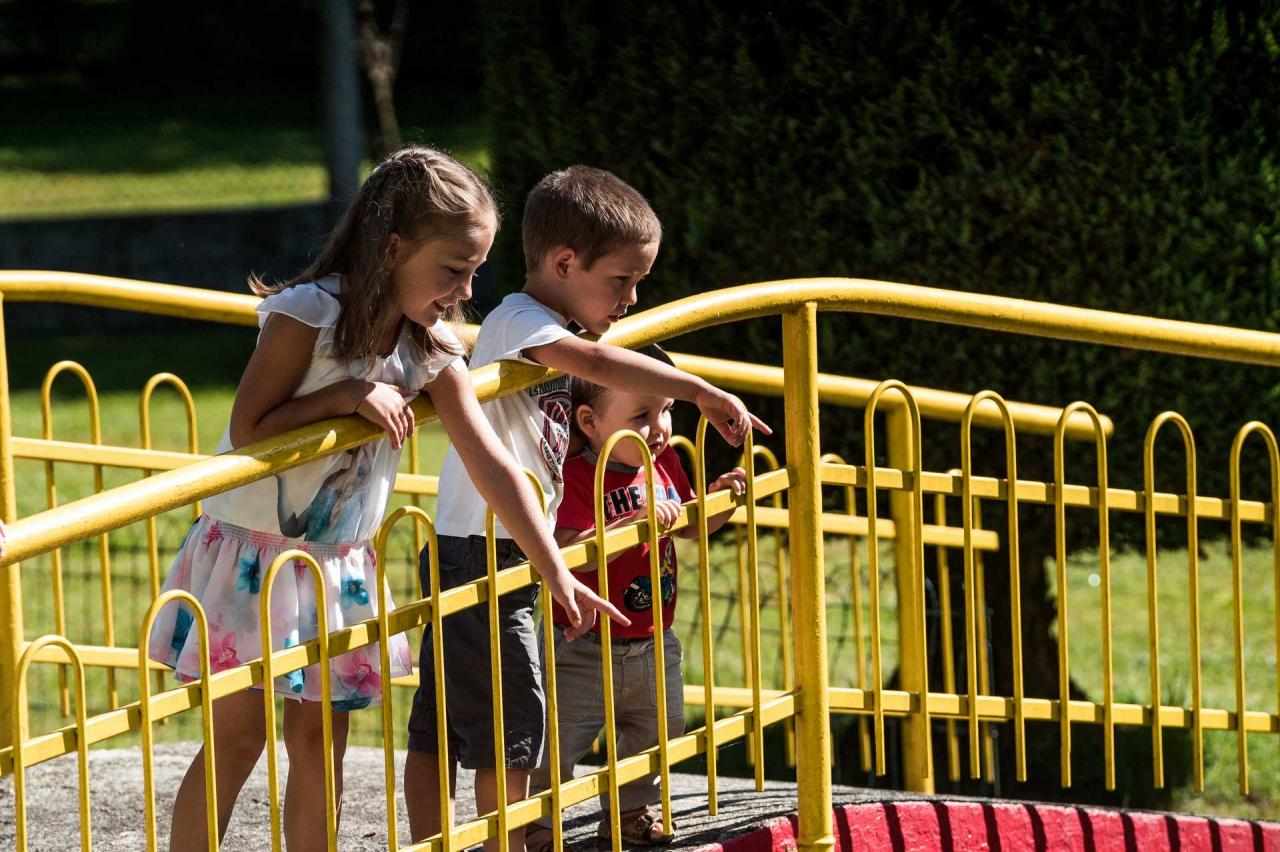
x: 589, y: 210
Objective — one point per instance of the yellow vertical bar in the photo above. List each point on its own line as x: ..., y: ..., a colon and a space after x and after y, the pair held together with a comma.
x: 984, y: 668
x: 1237, y: 575
x: 437, y: 657
x: 859, y: 646
x: 415, y: 499
x: 904, y: 452
x: 380, y: 561
x: 704, y: 601
x: 553, y: 721
x: 553, y: 697
x: 495, y: 673
x: 206, y: 706
x: 971, y: 617
x: 11, y: 633
x: 55, y: 555
x: 1060, y: 562
x: 606, y: 657
x: 269, y: 709
x: 948, y: 643
x: 873, y: 575
x: 753, y: 578
x: 813, y: 709
x: 786, y: 676
x: 745, y: 618
x: 17, y: 734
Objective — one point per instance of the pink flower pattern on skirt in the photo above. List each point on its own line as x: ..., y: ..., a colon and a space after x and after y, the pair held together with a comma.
x: 210, y: 566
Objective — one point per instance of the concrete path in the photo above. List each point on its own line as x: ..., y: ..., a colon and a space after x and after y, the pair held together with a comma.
x: 117, y: 808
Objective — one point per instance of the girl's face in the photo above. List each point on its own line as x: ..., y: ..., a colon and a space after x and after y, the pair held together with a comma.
x: 432, y: 277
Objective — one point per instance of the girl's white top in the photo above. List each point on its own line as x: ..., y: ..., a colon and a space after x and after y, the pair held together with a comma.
x: 339, y: 498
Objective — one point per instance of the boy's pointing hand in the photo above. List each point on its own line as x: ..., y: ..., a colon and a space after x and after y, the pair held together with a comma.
x: 728, y: 415
x: 580, y: 604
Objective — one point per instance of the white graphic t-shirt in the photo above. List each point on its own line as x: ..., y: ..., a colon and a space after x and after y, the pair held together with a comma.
x: 340, y: 498
x: 533, y: 423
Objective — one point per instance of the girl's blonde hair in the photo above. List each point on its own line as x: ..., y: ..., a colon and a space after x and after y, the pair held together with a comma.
x: 418, y: 193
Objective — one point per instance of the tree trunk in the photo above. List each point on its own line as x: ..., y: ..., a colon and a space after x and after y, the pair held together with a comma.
x: 380, y: 54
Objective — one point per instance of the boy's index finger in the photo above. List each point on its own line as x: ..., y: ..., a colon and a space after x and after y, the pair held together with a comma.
x: 760, y: 425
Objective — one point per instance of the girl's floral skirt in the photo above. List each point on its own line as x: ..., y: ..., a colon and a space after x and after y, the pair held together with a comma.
x: 223, y: 566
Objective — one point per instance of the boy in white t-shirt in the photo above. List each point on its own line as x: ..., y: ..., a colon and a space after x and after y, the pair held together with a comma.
x: 589, y: 239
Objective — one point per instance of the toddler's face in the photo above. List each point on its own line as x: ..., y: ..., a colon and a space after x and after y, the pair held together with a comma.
x: 601, y: 295
x: 433, y: 277
x: 650, y: 416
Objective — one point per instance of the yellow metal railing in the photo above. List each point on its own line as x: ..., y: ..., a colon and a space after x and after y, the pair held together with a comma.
x: 811, y: 700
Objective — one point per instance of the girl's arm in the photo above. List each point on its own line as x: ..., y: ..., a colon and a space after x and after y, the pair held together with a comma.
x: 264, y: 407
x: 504, y: 486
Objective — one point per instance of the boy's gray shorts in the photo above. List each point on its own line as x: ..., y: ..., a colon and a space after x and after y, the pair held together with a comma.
x: 468, y: 681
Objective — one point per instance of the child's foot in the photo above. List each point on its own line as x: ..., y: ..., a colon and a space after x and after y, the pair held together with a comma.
x: 538, y: 838
x: 642, y: 827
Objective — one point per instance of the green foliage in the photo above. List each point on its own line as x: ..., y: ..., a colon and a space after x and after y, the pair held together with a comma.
x: 1106, y: 154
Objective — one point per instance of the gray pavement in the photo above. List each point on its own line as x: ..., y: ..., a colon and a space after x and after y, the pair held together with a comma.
x: 117, y: 804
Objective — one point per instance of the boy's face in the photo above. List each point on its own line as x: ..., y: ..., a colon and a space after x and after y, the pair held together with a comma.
x: 616, y: 410
x: 598, y: 297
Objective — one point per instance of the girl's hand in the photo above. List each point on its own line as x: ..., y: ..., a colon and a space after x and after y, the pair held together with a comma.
x: 728, y: 415
x: 579, y: 603
x: 735, y: 481
x: 387, y: 406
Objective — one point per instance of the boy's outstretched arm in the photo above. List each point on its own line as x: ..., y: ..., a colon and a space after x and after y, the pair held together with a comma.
x: 621, y: 369
x: 504, y: 486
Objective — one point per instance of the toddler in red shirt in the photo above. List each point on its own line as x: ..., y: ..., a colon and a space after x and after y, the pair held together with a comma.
x: 598, y: 413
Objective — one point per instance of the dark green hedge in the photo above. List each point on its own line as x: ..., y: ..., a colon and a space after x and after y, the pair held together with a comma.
x: 1116, y: 155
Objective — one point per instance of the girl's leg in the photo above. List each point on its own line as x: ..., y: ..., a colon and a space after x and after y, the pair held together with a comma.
x: 487, y: 800
x: 238, y: 737
x: 304, y: 800
x: 422, y: 793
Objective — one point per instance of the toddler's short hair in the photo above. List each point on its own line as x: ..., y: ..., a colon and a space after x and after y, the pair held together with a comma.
x: 583, y: 392
x: 589, y: 210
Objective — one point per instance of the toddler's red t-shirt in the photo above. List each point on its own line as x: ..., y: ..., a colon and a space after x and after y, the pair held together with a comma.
x: 624, y: 492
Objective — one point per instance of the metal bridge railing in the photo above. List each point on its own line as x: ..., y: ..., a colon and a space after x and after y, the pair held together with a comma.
x: 808, y: 699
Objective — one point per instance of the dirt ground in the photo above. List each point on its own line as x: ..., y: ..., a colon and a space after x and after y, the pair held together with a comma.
x: 116, y: 804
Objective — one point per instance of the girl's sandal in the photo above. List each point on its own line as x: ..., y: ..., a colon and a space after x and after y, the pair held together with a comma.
x: 644, y: 827
x: 538, y: 838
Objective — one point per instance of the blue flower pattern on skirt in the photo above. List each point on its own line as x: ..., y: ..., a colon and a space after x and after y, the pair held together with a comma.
x: 354, y: 593
x: 249, y: 578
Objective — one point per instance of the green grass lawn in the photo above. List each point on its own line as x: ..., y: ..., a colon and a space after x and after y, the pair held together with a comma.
x: 1130, y: 659
x: 128, y: 154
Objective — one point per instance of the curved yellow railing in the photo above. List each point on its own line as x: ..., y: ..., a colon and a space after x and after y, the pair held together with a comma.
x: 799, y: 303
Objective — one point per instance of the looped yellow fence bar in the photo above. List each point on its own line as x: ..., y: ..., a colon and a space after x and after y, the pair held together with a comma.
x: 206, y: 717
x: 1237, y: 575
x: 51, y: 493
x: 19, y: 735
x: 1193, y: 596
x: 975, y: 597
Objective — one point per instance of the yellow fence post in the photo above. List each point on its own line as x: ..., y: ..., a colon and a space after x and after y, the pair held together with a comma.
x: 11, y: 579
x: 917, y: 773
x: 813, y: 702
